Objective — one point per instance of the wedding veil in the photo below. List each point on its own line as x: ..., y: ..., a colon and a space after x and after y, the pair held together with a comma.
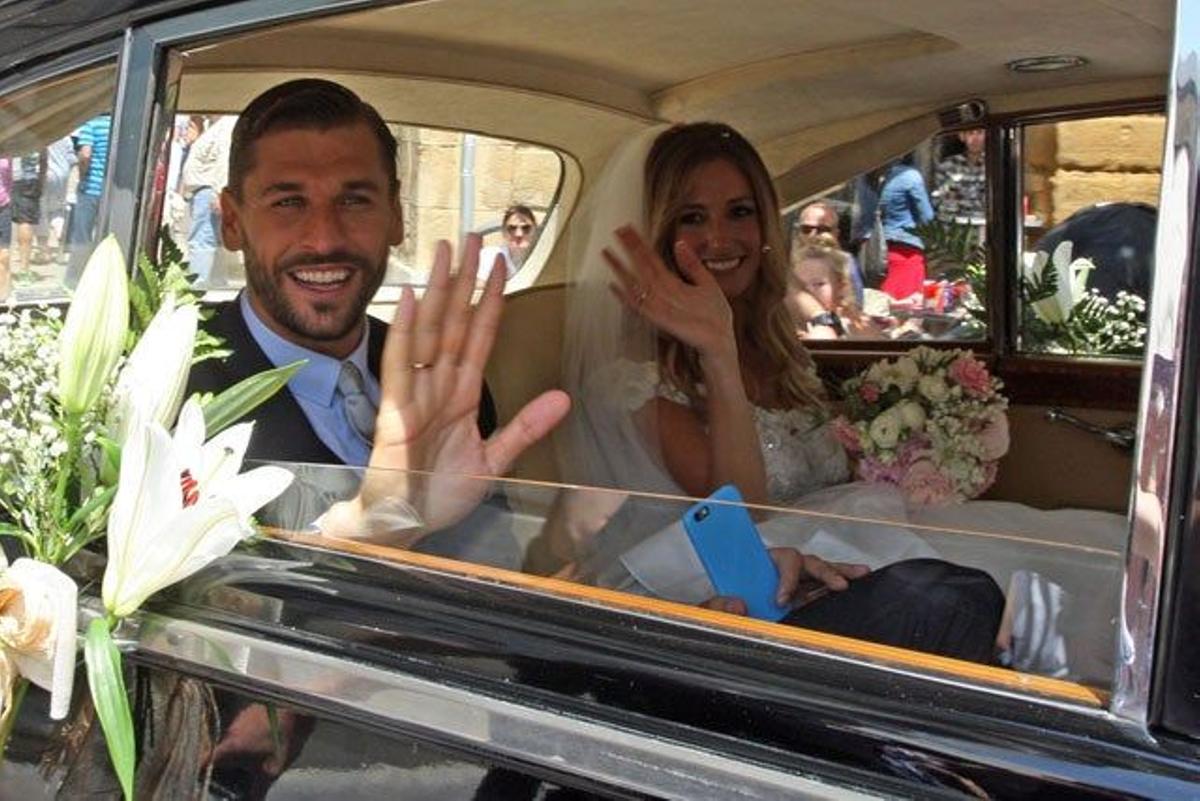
x: 600, y: 445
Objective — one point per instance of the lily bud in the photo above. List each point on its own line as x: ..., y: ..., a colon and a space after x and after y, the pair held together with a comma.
x: 155, y: 375
x: 94, y: 332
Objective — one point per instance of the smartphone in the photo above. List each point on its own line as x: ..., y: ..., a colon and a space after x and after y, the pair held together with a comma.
x: 733, y: 553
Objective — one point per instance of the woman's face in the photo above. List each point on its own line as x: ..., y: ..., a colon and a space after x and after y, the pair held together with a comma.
x: 719, y: 220
x: 818, y: 278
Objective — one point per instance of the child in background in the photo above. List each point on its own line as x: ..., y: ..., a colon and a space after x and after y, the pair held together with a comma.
x: 821, y: 296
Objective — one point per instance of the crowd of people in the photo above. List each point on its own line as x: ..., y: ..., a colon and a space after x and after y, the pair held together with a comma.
x: 877, y: 284
x: 49, y: 199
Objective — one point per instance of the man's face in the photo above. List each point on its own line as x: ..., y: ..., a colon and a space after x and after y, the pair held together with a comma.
x: 314, y: 223
x: 820, y: 224
x: 973, y: 139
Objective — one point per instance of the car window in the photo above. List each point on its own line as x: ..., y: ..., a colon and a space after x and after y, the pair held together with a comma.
x: 451, y: 183
x: 978, y: 571
x: 927, y: 279
x: 54, y: 146
x: 1089, y: 208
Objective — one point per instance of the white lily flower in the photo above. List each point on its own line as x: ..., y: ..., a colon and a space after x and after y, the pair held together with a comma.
x: 151, y: 383
x: 93, y: 334
x: 1071, y: 284
x: 37, y: 631
x: 180, y: 504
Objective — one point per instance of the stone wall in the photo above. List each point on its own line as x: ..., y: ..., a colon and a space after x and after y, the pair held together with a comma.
x: 430, y: 171
x: 1074, y: 164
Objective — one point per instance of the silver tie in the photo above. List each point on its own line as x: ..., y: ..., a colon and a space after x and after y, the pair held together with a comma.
x: 360, y: 411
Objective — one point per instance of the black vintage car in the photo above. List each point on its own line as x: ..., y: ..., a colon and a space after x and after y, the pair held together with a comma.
x: 305, y: 667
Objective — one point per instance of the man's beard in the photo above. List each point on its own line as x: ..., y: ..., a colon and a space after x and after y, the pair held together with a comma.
x: 321, y: 326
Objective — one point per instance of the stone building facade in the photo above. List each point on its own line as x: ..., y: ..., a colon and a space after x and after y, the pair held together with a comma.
x: 1073, y: 164
x: 431, y: 168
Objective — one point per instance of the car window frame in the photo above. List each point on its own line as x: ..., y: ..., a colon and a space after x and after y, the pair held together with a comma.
x: 142, y: 95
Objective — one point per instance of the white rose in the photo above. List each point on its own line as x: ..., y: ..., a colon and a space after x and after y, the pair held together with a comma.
x: 912, y: 414
x: 885, y: 430
x: 37, y: 630
x: 933, y: 387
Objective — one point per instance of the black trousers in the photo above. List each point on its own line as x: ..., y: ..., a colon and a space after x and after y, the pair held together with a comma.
x: 923, y: 604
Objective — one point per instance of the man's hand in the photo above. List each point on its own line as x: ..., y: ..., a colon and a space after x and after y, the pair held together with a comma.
x: 431, y: 382
x: 799, y: 575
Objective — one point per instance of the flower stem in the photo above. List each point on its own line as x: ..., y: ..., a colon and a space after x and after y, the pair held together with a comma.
x: 66, y: 469
x: 10, y: 717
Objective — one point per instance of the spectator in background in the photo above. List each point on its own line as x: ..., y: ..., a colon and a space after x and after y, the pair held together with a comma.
x: 5, y: 227
x: 28, y: 174
x: 60, y: 158
x: 960, y: 182
x: 818, y: 224
x: 91, y: 150
x: 820, y: 295
x: 898, y: 192
x: 205, y: 173
x: 520, y: 233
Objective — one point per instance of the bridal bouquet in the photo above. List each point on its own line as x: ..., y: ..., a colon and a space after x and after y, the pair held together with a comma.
x: 96, y: 441
x: 931, y: 422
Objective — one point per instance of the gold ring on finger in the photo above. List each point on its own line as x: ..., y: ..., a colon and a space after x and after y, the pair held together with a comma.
x: 643, y: 293
x: 421, y: 365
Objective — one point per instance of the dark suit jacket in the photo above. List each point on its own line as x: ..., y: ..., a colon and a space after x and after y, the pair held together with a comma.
x: 281, y: 431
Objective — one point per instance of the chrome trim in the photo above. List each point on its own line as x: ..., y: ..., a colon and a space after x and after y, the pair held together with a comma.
x: 137, y: 82
x: 1154, y: 465
x: 615, y: 756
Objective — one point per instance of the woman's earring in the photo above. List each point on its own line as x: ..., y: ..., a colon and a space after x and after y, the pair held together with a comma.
x: 766, y: 249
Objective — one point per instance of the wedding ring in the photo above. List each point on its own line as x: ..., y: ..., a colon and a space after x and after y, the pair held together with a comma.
x: 421, y: 365
x: 643, y: 293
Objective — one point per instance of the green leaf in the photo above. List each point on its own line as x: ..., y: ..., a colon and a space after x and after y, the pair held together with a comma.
x: 245, y: 396
x: 110, y: 699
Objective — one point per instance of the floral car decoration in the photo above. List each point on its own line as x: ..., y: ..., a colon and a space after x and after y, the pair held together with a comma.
x: 87, y: 408
x: 931, y: 422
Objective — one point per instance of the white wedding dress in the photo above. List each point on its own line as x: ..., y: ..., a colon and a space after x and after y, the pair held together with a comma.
x: 1060, y: 569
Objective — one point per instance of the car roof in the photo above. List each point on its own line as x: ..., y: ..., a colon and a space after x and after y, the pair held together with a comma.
x: 824, y: 88
x: 798, y: 77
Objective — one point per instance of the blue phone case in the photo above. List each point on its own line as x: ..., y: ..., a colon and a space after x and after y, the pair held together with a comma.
x: 733, y: 554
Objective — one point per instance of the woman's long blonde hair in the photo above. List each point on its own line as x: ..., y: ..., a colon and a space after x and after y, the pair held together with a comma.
x: 676, y: 153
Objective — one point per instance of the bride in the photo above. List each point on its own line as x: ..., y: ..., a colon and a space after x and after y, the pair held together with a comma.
x: 687, y: 375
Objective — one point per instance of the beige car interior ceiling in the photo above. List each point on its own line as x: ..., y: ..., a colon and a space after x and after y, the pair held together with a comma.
x: 799, y: 77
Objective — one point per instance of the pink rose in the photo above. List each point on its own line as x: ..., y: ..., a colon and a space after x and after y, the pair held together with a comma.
x: 970, y: 374
x: 916, y: 447
x: 869, y: 392
x: 925, y: 485
x: 877, y: 472
x: 845, y: 432
x: 993, y: 437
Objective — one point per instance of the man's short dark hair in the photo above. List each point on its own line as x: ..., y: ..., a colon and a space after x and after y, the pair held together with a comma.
x: 304, y: 104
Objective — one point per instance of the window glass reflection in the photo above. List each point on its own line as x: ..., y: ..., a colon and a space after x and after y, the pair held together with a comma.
x: 54, y: 153
x: 897, y: 253
x: 992, y: 582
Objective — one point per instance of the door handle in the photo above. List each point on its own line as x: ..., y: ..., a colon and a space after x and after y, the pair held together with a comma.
x: 1120, y: 436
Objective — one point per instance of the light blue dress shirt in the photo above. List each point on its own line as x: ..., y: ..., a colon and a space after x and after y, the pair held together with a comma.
x: 315, y: 386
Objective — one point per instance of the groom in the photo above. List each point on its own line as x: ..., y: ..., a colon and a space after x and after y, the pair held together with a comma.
x: 313, y: 205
